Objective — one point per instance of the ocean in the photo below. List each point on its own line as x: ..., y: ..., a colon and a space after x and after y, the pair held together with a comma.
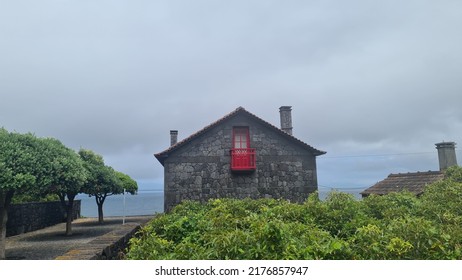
x: 143, y: 203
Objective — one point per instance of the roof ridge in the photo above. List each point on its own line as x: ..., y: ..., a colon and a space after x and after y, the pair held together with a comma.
x: 224, y: 118
x: 415, y: 173
x: 182, y: 142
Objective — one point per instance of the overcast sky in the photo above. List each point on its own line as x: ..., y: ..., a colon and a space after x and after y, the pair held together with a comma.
x: 374, y: 83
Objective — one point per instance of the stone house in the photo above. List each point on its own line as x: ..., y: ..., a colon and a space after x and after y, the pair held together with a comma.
x: 239, y: 156
x: 416, y: 182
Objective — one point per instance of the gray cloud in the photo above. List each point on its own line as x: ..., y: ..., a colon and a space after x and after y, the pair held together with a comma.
x: 363, y: 77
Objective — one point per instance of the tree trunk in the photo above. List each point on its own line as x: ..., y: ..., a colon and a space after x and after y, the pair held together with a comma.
x: 69, y: 211
x: 100, y: 214
x: 62, y: 198
x: 3, y: 219
x: 100, y: 201
x: 5, y: 200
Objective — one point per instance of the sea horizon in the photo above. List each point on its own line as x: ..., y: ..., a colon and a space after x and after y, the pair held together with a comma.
x: 145, y: 202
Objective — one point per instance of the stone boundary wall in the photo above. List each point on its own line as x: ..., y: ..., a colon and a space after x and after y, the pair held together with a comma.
x: 26, y: 217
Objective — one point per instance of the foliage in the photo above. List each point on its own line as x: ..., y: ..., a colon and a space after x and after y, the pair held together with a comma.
x: 31, y: 166
x: 233, y: 229
x: 127, y: 183
x: 34, y: 167
x: 394, y: 226
x: 103, y: 181
x: 24, y: 198
x: 18, y: 172
x: 18, y: 161
x: 393, y: 205
x: 66, y: 174
x: 101, y: 178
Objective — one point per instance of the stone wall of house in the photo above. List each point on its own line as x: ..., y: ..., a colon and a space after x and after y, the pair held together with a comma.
x: 201, y: 170
x: 32, y: 216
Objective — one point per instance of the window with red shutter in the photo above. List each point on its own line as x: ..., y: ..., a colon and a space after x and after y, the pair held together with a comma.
x: 242, y: 156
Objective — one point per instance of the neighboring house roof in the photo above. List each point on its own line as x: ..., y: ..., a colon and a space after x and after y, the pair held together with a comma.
x: 414, y: 182
x: 240, y: 110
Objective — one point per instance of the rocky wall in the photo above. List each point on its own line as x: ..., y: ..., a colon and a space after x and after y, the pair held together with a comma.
x: 32, y: 216
x: 201, y: 170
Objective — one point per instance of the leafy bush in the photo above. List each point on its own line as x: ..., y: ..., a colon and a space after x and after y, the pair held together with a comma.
x: 394, y: 226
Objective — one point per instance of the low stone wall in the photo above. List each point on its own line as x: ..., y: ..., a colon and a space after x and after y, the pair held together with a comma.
x: 32, y: 216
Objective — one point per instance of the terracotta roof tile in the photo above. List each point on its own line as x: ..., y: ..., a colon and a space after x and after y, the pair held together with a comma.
x: 240, y: 110
x: 414, y: 182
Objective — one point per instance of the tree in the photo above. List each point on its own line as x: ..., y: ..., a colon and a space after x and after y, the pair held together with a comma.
x: 18, y: 172
x: 66, y: 175
x: 104, y: 181
x: 37, y: 167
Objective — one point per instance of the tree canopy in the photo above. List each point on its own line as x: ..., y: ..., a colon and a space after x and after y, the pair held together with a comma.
x: 36, y: 166
x: 66, y: 175
x: 20, y: 169
x: 18, y: 162
x: 104, y: 181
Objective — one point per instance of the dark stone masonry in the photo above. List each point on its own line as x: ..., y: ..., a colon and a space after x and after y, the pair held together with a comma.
x: 199, y: 167
x: 32, y: 216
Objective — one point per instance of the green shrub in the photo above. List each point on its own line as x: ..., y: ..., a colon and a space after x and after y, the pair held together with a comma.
x: 394, y: 226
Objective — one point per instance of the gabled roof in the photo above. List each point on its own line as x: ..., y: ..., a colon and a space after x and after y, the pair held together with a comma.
x: 414, y: 182
x: 240, y: 110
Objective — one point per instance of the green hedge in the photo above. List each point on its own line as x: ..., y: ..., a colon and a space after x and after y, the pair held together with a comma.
x: 394, y: 226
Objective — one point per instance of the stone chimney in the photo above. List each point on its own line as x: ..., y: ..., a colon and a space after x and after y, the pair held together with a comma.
x: 286, y: 119
x: 173, y: 137
x: 446, y: 154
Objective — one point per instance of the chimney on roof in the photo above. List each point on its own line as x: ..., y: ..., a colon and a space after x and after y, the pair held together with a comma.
x: 286, y: 119
x: 173, y: 137
x: 446, y: 154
